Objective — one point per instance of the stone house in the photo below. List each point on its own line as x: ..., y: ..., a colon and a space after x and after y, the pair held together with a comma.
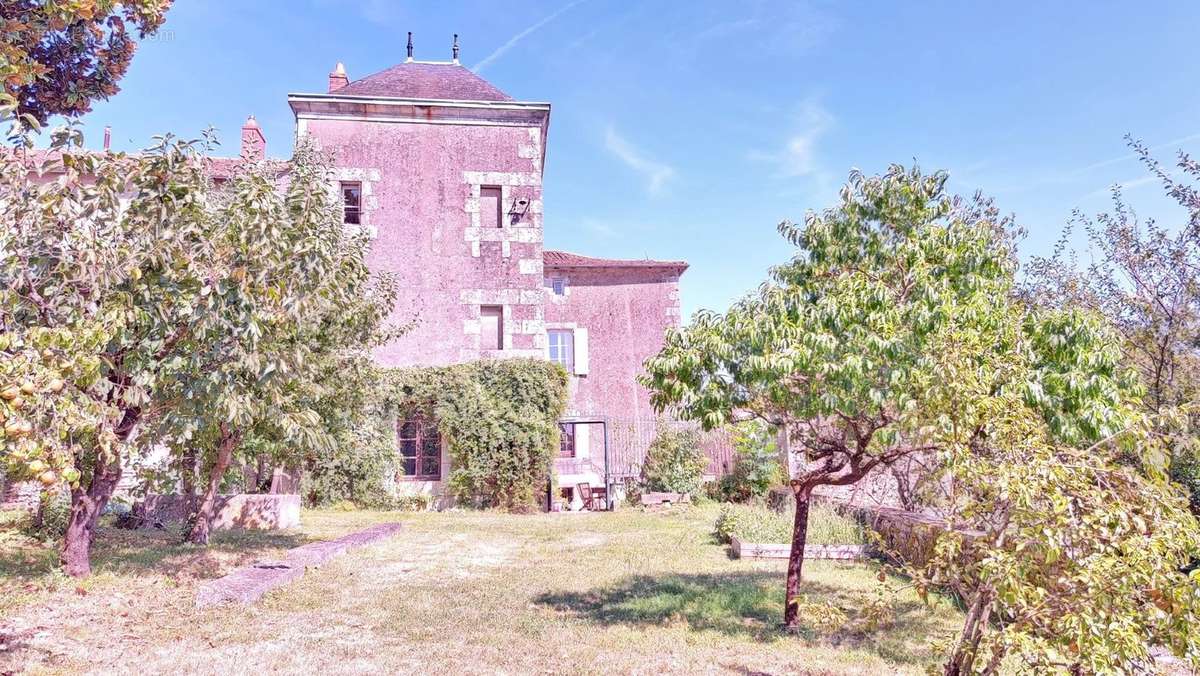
x: 444, y: 172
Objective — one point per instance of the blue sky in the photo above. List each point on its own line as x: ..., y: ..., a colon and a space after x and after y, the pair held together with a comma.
x: 689, y: 129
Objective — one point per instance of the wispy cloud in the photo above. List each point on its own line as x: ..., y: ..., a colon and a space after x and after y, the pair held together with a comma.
x: 799, y: 155
x: 656, y: 173
x: 1174, y: 144
x: 512, y: 42
x: 1123, y: 186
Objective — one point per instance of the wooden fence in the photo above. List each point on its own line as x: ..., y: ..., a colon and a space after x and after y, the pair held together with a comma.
x: 629, y: 440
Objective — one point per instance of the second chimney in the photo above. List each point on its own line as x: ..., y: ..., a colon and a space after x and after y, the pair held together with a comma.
x: 338, y: 78
x: 254, y: 144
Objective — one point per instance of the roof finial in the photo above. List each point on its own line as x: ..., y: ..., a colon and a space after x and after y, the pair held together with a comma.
x: 410, y: 46
x: 455, y: 48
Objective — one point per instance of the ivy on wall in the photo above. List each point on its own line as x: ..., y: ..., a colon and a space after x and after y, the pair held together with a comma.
x: 499, y: 419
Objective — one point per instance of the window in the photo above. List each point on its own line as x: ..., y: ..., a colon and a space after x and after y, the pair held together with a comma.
x: 566, y: 440
x: 491, y: 327
x: 562, y: 348
x: 558, y: 285
x: 420, y: 449
x: 352, y: 203
x: 490, y: 207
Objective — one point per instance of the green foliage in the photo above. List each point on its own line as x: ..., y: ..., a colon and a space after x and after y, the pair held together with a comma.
x: 1185, y: 471
x: 754, y: 523
x: 758, y: 466
x: 1078, y: 556
x: 57, y: 57
x: 499, y: 419
x: 674, y: 462
x: 50, y: 521
x: 896, y: 331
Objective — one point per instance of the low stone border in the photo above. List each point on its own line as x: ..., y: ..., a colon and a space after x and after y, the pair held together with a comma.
x: 249, y: 583
x: 657, y: 499
x: 758, y: 550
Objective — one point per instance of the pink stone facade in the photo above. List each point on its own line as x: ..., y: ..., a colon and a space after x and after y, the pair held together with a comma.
x: 451, y: 195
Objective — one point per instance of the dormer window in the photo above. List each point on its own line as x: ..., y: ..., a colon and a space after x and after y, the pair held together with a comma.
x: 351, y: 202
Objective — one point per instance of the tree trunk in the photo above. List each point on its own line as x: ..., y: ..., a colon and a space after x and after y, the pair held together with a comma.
x: 187, y: 473
x: 86, y: 506
x: 230, y: 438
x: 962, y: 659
x: 791, y: 613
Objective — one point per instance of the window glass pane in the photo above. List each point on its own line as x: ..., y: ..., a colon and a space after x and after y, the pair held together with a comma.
x: 562, y: 347
x: 566, y: 446
x: 410, y: 466
x: 431, y: 467
x: 430, y: 444
x: 408, y: 429
x: 351, y: 203
x: 559, y: 286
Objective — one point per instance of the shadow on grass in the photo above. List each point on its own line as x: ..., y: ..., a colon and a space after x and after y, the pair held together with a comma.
x: 152, y: 551
x: 750, y: 604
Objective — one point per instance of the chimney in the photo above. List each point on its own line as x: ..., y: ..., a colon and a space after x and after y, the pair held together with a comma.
x: 107, y: 138
x: 410, y: 48
x: 254, y: 144
x: 338, y: 78
x: 454, y: 50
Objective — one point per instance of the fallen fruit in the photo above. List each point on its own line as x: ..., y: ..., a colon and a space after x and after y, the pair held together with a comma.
x: 47, y: 478
x: 10, y: 393
x: 27, y: 387
x: 56, y: 385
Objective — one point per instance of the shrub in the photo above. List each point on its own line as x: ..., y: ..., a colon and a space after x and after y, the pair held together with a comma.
x: 752, y: 523
x: 757, y: 467
x: 412, y: 503
x: 674, y: 463
x: 50, y: 522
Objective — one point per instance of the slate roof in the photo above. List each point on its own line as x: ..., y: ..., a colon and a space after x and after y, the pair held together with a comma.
x: 421, y: 80
x: 566, y: 259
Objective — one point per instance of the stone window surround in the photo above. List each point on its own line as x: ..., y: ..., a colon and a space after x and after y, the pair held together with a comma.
x: 528, y: 230
x: 367, y: 179
x: 475, y: 299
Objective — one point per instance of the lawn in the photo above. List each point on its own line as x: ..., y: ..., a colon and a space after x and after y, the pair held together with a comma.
x: 468, y: 592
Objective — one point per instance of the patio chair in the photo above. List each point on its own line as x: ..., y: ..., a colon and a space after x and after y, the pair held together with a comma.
x: 585, y: 494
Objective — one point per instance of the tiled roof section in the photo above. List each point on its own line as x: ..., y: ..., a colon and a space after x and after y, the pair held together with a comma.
x: 446, y: 81
x: 566, y: 259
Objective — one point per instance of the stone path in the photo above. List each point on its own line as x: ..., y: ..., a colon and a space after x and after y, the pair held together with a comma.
x: 248, y: 584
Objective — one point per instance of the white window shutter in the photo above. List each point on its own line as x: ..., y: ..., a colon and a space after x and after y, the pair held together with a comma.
x: 581, y: 352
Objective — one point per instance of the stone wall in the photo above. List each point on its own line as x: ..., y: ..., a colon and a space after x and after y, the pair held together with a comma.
x: 251, y: 511
x: 19, y: 495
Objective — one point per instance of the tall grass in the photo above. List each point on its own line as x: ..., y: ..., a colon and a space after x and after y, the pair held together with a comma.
x: 754, y: 523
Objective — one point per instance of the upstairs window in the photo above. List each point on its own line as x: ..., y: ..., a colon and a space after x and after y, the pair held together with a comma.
x: 489, y: 207
x: 558, y: 286
x: 562, y: 348
x: 420, y: 449
x: 566, y: 440
x: 491, y: 327
x: 351, y: 203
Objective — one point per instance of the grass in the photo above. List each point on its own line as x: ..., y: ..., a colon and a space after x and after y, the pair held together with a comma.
x: 469, y: 592
x: 756, y: 523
